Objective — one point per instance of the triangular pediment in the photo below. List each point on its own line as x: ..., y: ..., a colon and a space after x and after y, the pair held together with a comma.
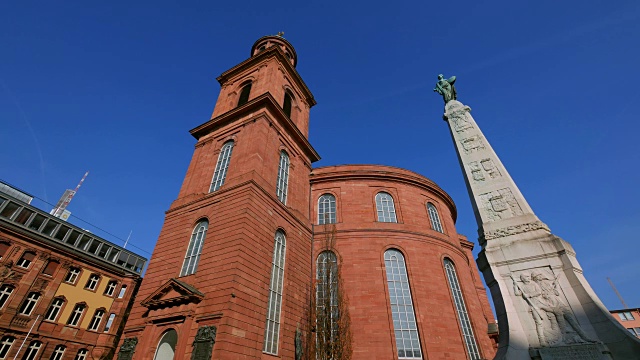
x: 171, y: 293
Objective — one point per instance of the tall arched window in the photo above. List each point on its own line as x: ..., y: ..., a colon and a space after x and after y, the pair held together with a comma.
x: 272, y: 326
x: 286, y: 104
x: 327, y: 209
x: 192, y: 257
x: 221, y: 167
x: 58, y: 352
x: 404, y: 318
x: 327, y: 310
x: 167, y: 346
x: 32, y: 350
x: 435, y: 219
x: 5, y: 293
x: 244, y: 94
x: 461, y: 309
x: 54, y: 309
x: 283, y: 177
x: 5, y: 346
x: 385, y: 207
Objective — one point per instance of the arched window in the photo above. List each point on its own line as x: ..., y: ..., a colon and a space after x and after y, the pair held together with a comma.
x: 221, y: 167
x: 51, y: 267
x: 286, y: 104
x: 404, y: 318
x: 435, y: 219
x: 5, y: 346
x: 26, y: 259
x: 385, y: 207
x: 327, y: 310
x: 81, y: 355
x: 29, y: 303
x: 5, y: 293
x: 283, y: 177
x: 244, y: 94
x: 32, y: 350
x: 461, y: 309
x: 58, y: 352
x: 272, y: 326
x: 54, y: 309
x: 194, y: 250
x: 327, y: 209
x: 96, y: 320
x: 167, y: 346
x: 4, y: 247
x: 76, y: 314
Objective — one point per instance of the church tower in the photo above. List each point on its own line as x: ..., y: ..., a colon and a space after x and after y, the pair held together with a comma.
x: 229, y: 275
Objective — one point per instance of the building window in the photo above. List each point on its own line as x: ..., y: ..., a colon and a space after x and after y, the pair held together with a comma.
x: 626, y: 316
x: 283, y: 177
x: 26, y: 259
x: 54, y: 309
x: 29, y: 304
x: 435, y: 219
x: 58, y: 352
x: 461, y: 308
x: 123, y: 290
x: 109, y: 322
x: 385, y: 207
x: 244, y: 94
x: 76, y: 314
x: 404, y: 318
x: 286, y: 104
x: 327, y: 310
x: 81, y: 355
x: 272, y: 326
x: 32, y: 351
x: 221, y: 166
x: 194, y: 250
x: 111, y: 288
x: 51, y: 267
x: 4, y: 247
x: 5, y: 346
x: 72, y: 275
x: 327, y: 209
x: 95, y: 321
x: 5, y: 293
x: 635, y: 331
x: 92, y: 283
x: 167, y: 346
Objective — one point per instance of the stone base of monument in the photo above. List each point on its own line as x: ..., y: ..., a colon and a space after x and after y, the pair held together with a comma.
x: 572, y: 352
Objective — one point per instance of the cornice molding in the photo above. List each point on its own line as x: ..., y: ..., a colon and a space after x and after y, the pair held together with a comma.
x: 276, y: 52
x: 266, y: 101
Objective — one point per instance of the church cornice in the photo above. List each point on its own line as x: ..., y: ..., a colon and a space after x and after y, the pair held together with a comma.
x: 263, y: 101
x: 270, y: 52
x: 380, y: 172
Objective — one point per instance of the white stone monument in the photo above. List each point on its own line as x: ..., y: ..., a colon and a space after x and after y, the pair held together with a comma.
x: 545, y: 306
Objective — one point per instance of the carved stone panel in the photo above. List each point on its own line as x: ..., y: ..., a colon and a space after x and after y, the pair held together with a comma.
x: 483, y: 169
x: 203, y: 343
x: 471, y: 144
x: 491, y: 168
x: 554, y: 321
x: 573, y: 352
x: 500, y: 204
x: 128, y: 348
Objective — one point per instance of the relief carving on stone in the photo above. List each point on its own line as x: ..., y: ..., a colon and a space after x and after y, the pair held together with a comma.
x: 471, y: 144
x: 459, y: 117
x: 203, y: 343
x: 128, y: 348
x: 517, y: 229
x: 482, y: 167
x: 554, y: 320
x: 500, y: 204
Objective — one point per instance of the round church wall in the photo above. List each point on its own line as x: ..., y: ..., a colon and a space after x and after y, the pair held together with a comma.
x: 385, y: 219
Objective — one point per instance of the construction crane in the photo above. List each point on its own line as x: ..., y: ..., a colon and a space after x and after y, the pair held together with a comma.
x: 617, y: 293
x: 60, y: 211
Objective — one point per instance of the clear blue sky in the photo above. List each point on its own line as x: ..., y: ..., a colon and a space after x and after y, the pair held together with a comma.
x: 114, y: 88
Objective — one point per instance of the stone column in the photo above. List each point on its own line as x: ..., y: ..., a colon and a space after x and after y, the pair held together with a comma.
x: 545, y: 307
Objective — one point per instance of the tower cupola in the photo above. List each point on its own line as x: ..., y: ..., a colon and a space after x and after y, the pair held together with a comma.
x: 269, y: 41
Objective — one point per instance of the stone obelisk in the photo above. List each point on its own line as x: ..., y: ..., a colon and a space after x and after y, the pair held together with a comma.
x: 545, y: 307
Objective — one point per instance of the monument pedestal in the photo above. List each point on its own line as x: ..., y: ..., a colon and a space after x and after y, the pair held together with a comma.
x: 544, y: 305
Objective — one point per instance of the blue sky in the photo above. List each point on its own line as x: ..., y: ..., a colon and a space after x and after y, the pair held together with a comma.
x: 114, y: 88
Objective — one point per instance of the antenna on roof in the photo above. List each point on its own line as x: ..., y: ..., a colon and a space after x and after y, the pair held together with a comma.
x: 617, y: 293
x: 60, y: 211
x: 127, y: 241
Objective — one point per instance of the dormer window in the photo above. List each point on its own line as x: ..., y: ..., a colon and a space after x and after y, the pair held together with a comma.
x: 244, y: 94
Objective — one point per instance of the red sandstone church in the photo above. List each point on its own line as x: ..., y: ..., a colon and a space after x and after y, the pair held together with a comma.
x: 233, y: 270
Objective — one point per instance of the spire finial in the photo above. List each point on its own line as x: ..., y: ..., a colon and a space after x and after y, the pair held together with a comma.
x: 280, y: 33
